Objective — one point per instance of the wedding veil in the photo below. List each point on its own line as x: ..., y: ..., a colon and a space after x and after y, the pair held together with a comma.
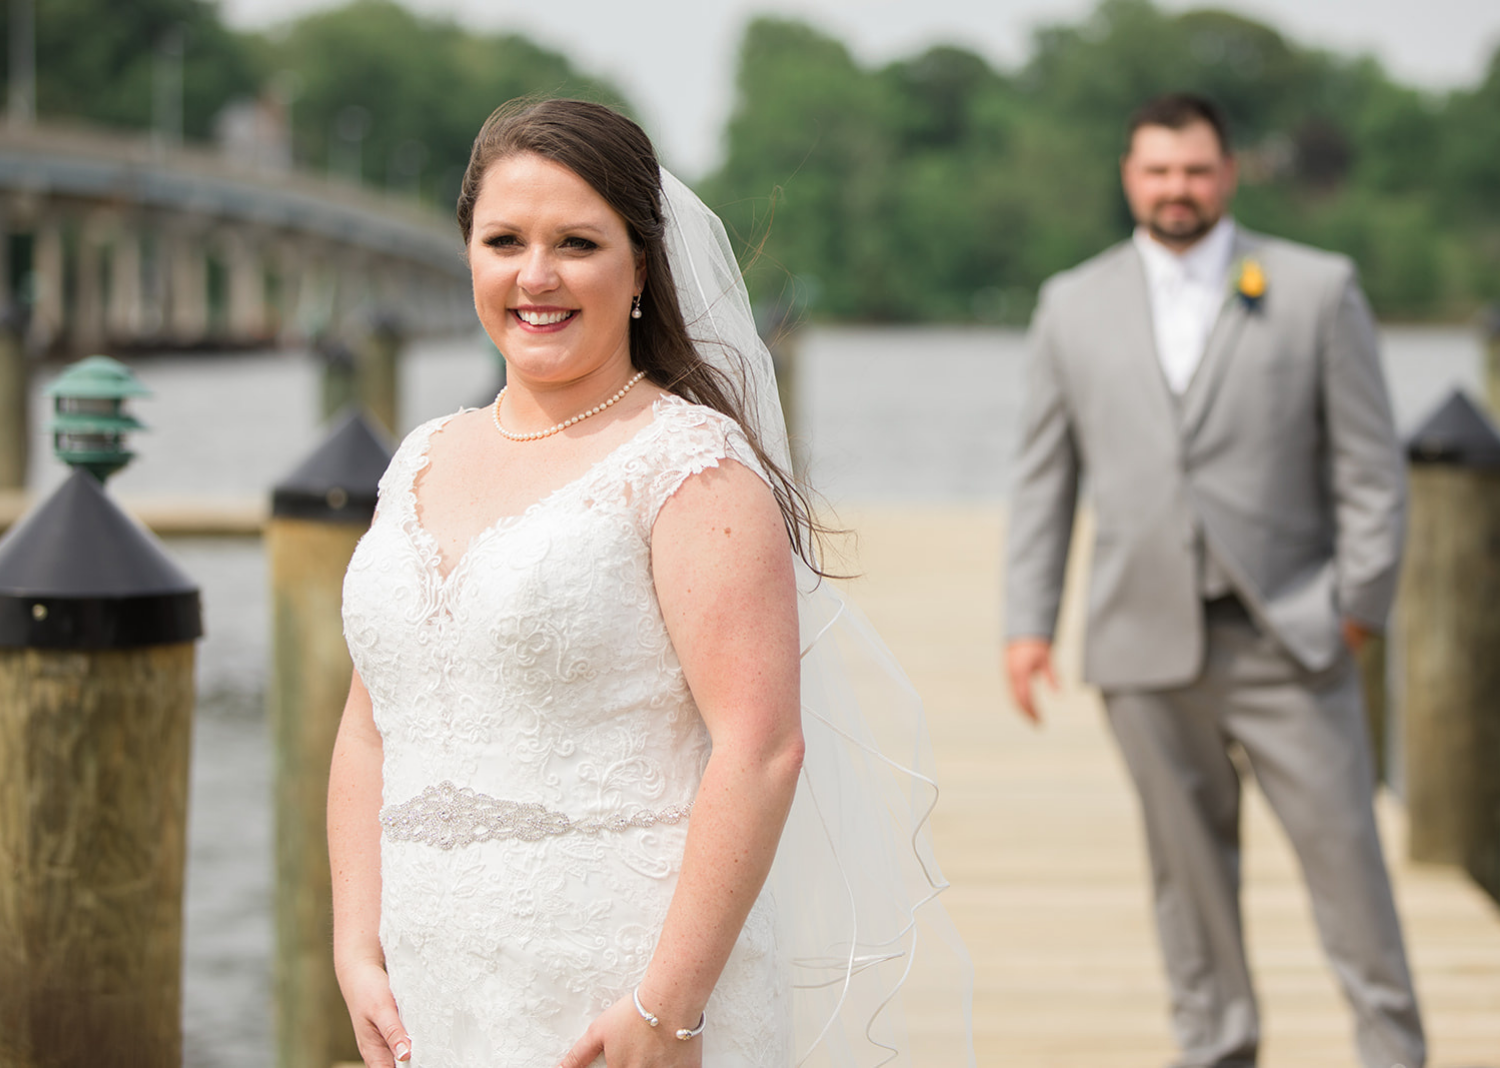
x: 876, y: 963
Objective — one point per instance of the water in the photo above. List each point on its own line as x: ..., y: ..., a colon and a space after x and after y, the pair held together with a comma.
x: 930, y: 414
x: 918, y: 414
x: 889, y: 414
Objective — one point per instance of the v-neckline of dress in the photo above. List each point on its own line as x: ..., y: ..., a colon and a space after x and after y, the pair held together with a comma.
x: 426, y: 543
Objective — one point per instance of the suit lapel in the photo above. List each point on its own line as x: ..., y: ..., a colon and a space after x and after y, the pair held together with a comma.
x: 1198, y: 399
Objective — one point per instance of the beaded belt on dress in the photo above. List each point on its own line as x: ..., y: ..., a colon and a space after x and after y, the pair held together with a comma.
x: 446, y: 816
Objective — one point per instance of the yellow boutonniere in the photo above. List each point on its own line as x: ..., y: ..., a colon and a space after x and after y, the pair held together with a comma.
x: 1250, y: 284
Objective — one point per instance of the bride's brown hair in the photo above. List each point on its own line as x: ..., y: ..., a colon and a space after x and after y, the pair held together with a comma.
x: 615, y: 157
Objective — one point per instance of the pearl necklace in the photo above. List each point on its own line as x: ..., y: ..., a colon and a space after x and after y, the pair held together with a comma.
x: 534, y: 435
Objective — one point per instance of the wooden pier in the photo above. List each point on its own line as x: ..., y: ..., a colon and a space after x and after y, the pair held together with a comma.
x: 1038, y: 832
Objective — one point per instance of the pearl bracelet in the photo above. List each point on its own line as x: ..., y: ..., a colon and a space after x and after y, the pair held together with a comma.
x: 683, y: 1033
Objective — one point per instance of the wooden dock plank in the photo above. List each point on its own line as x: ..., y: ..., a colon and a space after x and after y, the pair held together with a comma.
x: 1038, y: 831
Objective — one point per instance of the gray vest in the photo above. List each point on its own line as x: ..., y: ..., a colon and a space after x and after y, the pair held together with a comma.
x: 1213, y: 578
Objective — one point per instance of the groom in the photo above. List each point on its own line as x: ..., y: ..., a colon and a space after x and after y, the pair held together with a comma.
x: 1222, y: 394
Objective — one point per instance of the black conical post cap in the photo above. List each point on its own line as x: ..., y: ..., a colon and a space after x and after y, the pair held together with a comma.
x: 78, y: 573
x: 338, y: 482
x: 1458, y: 434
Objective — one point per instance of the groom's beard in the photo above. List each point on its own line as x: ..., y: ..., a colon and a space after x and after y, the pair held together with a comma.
x: 1182, y: 228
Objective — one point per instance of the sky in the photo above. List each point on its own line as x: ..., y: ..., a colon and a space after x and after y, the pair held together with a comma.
x: 675, y: 59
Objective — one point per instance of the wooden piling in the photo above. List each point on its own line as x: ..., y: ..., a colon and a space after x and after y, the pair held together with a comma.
x: 1483, y: 856
x: 1490, y: 328
x: 339, y: 382
x: 318, y: 515
x: 94, y: 750
x: 309, y: 683
x: 96, y: 700
x: 781, y: 340
x: 1449, y: 629
x: 14, y: 420
x: 1373, y: 682
x: 378, y: 374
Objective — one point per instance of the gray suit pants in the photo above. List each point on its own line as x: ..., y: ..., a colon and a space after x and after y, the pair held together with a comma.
x: 1305, y: 737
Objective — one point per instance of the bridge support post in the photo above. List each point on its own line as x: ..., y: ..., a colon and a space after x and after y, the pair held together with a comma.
x: 47, y: 272
x: 86, y: 323
x: 291, y: 276
x: 124, y: 316
x: 247, y: 290
x: 15, y: 436
x: 188, y: 295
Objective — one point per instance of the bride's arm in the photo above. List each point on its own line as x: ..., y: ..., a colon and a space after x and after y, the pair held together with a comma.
x: 723, y: 572
x: 354, y: 853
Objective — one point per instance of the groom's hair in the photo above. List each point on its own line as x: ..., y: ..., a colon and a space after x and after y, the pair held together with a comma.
x: 1176, y: 111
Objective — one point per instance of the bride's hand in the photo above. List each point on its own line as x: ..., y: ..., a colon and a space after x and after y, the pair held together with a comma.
x: 381, y: 1038
x: 627, y: 1041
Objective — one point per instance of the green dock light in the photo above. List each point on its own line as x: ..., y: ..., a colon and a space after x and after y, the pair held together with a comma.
x: 90, y: 424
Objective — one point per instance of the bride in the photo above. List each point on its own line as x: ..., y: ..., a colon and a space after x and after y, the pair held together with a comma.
x: 595, y: 671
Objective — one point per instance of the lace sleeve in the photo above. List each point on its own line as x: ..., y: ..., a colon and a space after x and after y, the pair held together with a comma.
x: 409, y: 458
x: 692, y: 440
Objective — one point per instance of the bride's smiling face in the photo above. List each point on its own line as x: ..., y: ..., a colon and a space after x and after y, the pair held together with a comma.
x: 554, y: 272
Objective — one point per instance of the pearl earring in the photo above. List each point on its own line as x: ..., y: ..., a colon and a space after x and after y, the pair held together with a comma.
x: 635, y: 306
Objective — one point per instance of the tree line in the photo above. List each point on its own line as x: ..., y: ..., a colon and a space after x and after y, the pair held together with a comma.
x: 940, y: 188
x: 933, y: 188
x: 370, y: 89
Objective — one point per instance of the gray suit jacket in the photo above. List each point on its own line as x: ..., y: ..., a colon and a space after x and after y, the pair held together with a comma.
x: 1280, y: 460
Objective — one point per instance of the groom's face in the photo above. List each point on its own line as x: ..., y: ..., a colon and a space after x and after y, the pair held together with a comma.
x: 1178, y: 182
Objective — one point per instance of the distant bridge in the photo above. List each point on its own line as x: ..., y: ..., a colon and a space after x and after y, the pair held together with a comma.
x: 114, y: 243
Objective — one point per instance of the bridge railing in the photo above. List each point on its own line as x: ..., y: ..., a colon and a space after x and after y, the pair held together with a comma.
x: 111, y: 240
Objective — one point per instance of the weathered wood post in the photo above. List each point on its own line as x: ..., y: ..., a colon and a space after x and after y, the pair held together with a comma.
x: 96, y: 698
x: 1373, y: 677
x: 1489, y: 324
x: 15, y: 430
x: 1448, y: 627
x: 778, y: 328
x: 318, y: 514
x: 378, y: 372
x: 339, y: 386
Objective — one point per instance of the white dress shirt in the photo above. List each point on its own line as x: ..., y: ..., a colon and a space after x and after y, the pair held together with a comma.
x: 1187, y: 291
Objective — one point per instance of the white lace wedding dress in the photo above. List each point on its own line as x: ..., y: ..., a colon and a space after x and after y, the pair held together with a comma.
x: 540, y: 751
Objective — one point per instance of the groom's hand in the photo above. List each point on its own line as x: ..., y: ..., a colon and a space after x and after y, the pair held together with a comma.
x: 1025, y: 658
x: 1356, y: 635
